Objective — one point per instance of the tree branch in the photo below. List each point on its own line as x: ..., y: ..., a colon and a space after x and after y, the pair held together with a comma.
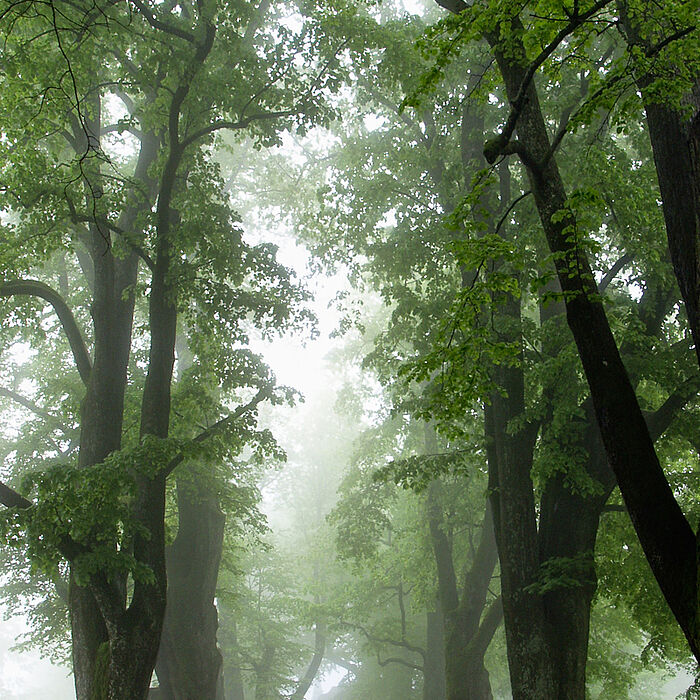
x: 612, y: 272
x: 661, y: 419
x: 398, y: 660
x: 308, y: 678
x: 386, y: 640
x: 218, y: 427
x: 235, y: 125
x: 158, y: 24
x: 489, y: 624
x: 12, y: 499
x: 31, y: 406
x: 575, y: 21
x: 65, y: 316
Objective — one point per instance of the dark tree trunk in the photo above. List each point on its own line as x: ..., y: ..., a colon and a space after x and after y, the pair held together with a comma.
x: 675, y: 143
x: 434, y: 687
x: 307, y: 679
x: 189, y: 661
x: 467, y: 630
x: 666, y: 537
x: 102, y: 409
x: 512, y: 498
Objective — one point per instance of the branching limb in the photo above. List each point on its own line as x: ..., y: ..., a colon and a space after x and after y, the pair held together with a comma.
x: 402, y: 643
x: 398, y: 660
x: 235, y: 125
x: 146, y: 13
x: 65, y: 315
x: 31, y: 406
x: 218, y: 427
x: 659, y: 421
x: 575, y: 21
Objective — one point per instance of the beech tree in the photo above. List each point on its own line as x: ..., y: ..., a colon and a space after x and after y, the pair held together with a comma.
x: 159, y: 220
x: 660, y: 524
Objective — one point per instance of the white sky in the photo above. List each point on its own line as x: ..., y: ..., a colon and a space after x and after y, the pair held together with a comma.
x: 26, y: 676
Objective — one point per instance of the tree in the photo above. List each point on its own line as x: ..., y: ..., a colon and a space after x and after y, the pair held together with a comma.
x: 660, y: 524
x: 165, y: 65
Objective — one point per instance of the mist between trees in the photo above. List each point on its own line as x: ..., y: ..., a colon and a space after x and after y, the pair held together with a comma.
x: 464, y: 234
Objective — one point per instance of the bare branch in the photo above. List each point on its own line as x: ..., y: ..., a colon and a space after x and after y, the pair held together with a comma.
x: 385, y: 640
x: 235, y: 125
x: 31, y: 406
x: 398, y: 660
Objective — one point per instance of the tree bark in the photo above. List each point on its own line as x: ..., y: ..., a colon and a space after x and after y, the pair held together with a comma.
x: 434, y: 683
x: 189, y: 662
x: 665, y: 535
x: 675, y: 141
x: 465, y: 636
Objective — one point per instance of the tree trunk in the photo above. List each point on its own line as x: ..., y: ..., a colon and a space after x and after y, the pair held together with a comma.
x: 189, y: 662
x: 512, y: 498
x: 664, y: 533
x: 675, y: 143
x: 434, y: 687
x: 466, y: 634
x: 315, y: 664
x: 102, y: 408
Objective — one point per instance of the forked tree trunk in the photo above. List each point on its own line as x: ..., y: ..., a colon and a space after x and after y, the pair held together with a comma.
x: 664, y: 533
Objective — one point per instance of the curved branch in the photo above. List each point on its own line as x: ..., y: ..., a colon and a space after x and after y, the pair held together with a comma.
x: 65, y: 315
x: 315, y: 663
x: 158, y: 24
x: 398, y: 660
x: 385, y: 640
x: 658, y: 421
x: 235, y: 125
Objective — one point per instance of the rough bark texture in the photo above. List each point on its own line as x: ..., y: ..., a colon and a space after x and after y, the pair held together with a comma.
x: 510, y: 464
x: 189, y: 662
x: 101, y: 415
x: 675, y: 143
x: 548, y: 635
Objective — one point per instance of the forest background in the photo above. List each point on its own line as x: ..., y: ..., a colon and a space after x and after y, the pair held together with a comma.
x: 507, y: 195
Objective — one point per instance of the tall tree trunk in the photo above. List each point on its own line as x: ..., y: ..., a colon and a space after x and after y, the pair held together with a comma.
x: 512, y: 498
x: 103, y: 406
x: 189, y: 662
x: 466, y: 634
x: 666, y: 537
x: 434, y: 687
x: 675, y: 141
